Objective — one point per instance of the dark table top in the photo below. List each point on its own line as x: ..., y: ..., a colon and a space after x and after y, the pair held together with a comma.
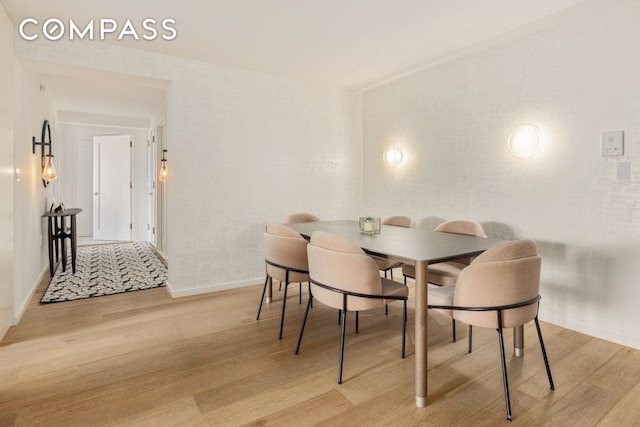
x: 405, y: 243
x: 70, y: 211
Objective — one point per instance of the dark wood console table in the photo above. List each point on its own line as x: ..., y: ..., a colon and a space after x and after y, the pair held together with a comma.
x: 58, y: 233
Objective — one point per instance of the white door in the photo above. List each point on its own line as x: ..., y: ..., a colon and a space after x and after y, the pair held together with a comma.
x: 112, y: 187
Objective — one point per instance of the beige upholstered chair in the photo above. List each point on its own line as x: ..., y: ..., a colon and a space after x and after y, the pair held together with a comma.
x: 499, y: 289
x: 388, y: 264
x: 446, y: 273
x: 285, y: 253
x: 344, y: 277
x: 301, y: 217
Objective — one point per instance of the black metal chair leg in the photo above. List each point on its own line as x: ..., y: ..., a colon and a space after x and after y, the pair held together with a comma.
x: 405, y: 280
x: 470, y: 338
x: 386, y: 309
x: 505, y: 380
x: 344, y: 327
x: 404, y: 326
x: 304, y: 322
x: 544, y: 354
x: 391, y: 273
x: 284, y: 302
x: 264, y: 290
x: 339, y: 317
x: 357, y: 320
x: 300, y: 294
x: 309, y: 283
x: 453, y: 329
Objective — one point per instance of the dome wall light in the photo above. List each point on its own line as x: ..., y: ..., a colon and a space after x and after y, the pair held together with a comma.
x: 525, y: 141
x: 392, y: 156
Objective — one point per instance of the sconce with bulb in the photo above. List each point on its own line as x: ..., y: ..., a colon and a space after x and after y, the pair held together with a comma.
x: 392, y: 156
x: 525, y: 141
x: 164, y: 171
x: 49, y: 173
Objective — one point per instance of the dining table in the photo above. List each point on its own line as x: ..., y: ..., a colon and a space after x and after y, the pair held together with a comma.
x: 420, y: 248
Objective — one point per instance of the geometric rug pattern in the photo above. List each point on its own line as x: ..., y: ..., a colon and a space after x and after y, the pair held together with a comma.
x: 107, y: 270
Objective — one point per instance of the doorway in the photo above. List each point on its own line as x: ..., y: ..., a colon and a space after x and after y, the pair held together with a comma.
x: 76, y: 189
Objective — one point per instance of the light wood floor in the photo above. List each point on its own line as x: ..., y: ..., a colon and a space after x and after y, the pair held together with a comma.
x: 145, y: 359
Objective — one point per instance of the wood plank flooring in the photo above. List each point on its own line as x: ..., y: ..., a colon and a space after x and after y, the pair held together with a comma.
x: 144, y: 359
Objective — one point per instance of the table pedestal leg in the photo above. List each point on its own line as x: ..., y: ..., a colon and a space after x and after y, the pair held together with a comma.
x: 421, y: 333
x: 56, y: 233
x: 74, y: 244
x: 62, y: 237
x: 269, y: 290
x: 518, y: 341
x: 50, y: 244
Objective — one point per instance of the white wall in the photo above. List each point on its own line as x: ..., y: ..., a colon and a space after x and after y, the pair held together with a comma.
x: 6, y: 172
x: 574, y: 81
x: 31, y: 199
x: 243, y: 149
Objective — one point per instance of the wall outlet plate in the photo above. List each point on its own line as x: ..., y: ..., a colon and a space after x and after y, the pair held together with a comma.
x: 624, y: 171
x: 613, y: 143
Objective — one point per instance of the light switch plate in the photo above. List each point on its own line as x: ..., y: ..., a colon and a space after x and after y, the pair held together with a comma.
x: 624, y: 171
x: 613, y: 143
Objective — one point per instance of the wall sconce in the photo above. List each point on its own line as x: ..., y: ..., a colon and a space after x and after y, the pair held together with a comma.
x: 525, y: 141
x: 392, y: 156
x: 49, y: 173
x: 164, y: 171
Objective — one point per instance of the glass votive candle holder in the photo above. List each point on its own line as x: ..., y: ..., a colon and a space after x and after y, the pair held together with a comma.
x: 370, y: 224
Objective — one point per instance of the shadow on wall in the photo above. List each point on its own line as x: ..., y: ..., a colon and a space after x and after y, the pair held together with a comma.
x: 581, y: 275
x: 429, y: 223
x: 498, y: 230
x: 495, y: 230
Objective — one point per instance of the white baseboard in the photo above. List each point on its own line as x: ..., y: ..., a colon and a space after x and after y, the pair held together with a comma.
x: 178, y: 293
x: 19, y: 311
x: 604, y: 334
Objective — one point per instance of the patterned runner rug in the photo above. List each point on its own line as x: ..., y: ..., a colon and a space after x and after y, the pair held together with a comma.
x: 107, y: 270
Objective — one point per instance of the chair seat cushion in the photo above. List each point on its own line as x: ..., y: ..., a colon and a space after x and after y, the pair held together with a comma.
x: 393, y: 288
x: 386, y: 263
x: 441, y: 274
x: 441, y: 296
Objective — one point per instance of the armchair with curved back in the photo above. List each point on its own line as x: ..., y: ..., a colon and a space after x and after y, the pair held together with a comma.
x: 344, y: 277
x: 285, y: 252
x: 499, y: 289
x: 388, y: 264
x: 301, y: 217
x: 446, y: 273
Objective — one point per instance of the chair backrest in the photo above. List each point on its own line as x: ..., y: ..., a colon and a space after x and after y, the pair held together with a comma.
x: 336, y: 262
x: 506, y: 274
x: 461, y: 226
x: 285, y: 247
x: 401, y: 221
x: 301, y: 217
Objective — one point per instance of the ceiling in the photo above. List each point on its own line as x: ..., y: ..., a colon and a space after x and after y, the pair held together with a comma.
x: 353, y: 44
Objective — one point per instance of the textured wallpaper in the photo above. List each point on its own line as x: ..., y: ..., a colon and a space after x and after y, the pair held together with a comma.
x: 244, y: 149
x: 574, y: 81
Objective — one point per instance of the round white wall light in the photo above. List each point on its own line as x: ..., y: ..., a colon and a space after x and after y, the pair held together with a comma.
x: 392, y: 156
x: 525, y: 141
